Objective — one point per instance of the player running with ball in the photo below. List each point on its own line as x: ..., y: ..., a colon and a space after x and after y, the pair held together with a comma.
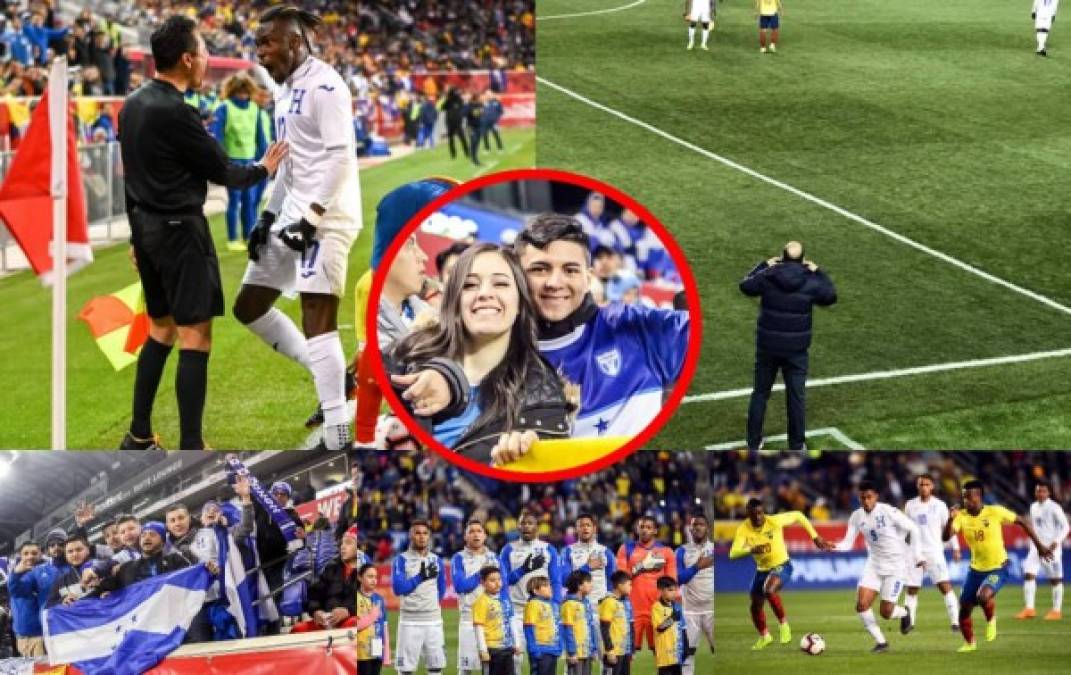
x: 884, y: 529
x: 763, y: 537
x: 982, y: 528
x: 302, y: 241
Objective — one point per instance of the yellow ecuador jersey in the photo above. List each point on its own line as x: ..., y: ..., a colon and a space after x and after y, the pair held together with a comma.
x: 361, y: 294
x: 574, y: 617
x: 669, y: 643
x: 369, y: 640
x: 539, y: 614
x: 768, y: 7
x: 489, y: 612
x: 618, y: 613
x: 767, y: 542
x: 985, y: 536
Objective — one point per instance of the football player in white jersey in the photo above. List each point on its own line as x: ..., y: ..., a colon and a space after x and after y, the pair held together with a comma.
x: 884, y: 529
x: 695, y: 572
x: 698, y: 11
x: 1043, y: 13
x: 465, y: 568
x: 1050, y: 522
x: 302, y: 241
x: 931, y: 514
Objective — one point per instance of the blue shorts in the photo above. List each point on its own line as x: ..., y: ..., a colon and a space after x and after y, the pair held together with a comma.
x: 975, y: 580
x: 758, y: 582
x: 772, y: 22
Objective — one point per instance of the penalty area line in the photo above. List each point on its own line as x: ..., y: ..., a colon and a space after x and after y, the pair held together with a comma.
x: 890, y: 374
x: 832, y: 432
x: 591, y: 13
x: 814, y: 199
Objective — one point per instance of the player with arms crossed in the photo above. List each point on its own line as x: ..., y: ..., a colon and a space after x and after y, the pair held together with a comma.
x: 467, y: 568
x: 931, y: 514
x: 884, y: 529
x: 695, y: 573
x: 420, y: 621
x: 982, y: 529
x: 1050, y: 522
x: 698, y: 11
x: 302, y: 241
x: 763, y: 537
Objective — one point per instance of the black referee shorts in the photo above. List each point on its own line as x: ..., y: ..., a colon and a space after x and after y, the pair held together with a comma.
x: 178, y: 266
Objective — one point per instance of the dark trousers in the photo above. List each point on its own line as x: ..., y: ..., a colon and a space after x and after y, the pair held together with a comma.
x: 200, y: 629
x: 474, y: 145
x: 369, y: 667
x: 581, y: 667
x: 670, y: 670
x: 501, y: 662
x: 622, y: 667
x: 453, y: 130
x: 543, y: 665
x: 793, y: 369
x: 493, y: 129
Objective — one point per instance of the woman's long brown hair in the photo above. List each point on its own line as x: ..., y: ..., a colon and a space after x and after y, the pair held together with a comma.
x: 502, y: 390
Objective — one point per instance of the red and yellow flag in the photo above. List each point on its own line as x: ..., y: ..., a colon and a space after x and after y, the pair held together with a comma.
x: 119, y: 324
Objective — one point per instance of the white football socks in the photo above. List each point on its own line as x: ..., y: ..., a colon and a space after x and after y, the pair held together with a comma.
x: 898, y: 612
x: 912, y: 604
x: 952, y: 607
x: 1030, y: 589
x: 706, y: 32
x: 1058, y: 597
x: 871, y: 625
x: 691, y: 36
x: 281, y: 334
x: 328, y: 366
x: 1043, y: 37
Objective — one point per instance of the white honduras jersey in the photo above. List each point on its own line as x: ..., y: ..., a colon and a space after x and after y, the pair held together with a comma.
x: 1050, y: 522
x: 314, y: 115
x: 1046, y: 8
x: 884, y: 530
x: 697, y: 595
x: 577, y: 555
x: 471, y: 564
x: 930, y: 516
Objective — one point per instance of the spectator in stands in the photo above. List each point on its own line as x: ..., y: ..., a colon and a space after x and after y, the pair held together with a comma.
x: 789, y: 286
x: 181, y: 532
x: 67, y: 587
x: 624, y: 287
x: 350, y: 511
x: 102, y: 55
x: 40, y: 36
x: 592, y: 221
x: 333, y: 594
x: 26, y: 602
x: 272, y: 547
x: 606, y: 261
x: 400, y: 305
x: 447, y: 258
x: 19, y: 46
x: 128, y: 530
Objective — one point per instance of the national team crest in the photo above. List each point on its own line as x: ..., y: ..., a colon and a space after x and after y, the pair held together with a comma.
x: 609, y: 362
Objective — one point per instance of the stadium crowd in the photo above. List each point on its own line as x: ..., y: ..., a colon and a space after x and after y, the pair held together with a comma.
x: 823, y: 486
x: 387, y: 493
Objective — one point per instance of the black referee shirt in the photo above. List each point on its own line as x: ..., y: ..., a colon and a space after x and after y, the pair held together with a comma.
x: 168, y: 157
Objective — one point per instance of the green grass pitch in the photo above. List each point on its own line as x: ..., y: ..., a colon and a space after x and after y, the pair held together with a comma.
x: 1022, y: 647
x: 934, y: 120
x: 256, y: 399
x: 642, y: 664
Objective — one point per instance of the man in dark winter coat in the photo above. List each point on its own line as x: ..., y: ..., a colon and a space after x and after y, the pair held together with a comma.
x: 789, y: 287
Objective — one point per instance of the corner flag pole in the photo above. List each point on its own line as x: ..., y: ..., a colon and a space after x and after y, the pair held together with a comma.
x: 57, y: 120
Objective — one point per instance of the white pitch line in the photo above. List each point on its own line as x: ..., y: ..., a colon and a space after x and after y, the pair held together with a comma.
x: 833, y: 432
x: 807, y: 196
x: 591, y: 13
x: 890, y: 374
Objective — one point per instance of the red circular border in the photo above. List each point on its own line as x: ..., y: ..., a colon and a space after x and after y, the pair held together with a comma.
x: 690, y: 361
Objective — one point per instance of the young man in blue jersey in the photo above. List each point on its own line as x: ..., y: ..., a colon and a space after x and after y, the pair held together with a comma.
x: 624, y: 358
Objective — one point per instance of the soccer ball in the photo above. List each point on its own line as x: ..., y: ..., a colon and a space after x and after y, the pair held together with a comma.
x: 813, y: 644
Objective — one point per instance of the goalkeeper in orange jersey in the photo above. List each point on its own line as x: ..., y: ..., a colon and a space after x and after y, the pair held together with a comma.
x: 762, y: 536
x: 646, y: 559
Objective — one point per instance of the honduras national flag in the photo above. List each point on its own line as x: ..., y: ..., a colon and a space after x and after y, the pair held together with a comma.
x: 132, y: 629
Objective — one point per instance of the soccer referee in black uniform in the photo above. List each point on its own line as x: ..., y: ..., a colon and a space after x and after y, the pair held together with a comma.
x: 169, y: 159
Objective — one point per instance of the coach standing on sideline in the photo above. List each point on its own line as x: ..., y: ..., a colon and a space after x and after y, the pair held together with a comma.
x: 169, y: 159
x: 789, y: 287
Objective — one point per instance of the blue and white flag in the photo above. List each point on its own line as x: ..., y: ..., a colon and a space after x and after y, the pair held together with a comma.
x: 130, y: 630
x: 233, y: 588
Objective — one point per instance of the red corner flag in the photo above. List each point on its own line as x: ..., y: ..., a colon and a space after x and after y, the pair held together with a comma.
x: 26, y: 197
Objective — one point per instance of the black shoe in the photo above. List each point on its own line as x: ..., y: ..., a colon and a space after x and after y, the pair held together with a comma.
x: 130, y: 442
x: 905, y: 624
x: 316, y: 418
x: 955, y: 628
x: 1041, y: 52
x: 880, y: 648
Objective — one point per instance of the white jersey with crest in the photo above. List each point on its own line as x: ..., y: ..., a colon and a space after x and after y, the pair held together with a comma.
x: 1050, y: 523
x: 930, y: 516
x: 884, y: 530
x: 314, y: 116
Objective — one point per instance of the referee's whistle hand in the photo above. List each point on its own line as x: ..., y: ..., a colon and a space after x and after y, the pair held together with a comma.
x: 274, y: 156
